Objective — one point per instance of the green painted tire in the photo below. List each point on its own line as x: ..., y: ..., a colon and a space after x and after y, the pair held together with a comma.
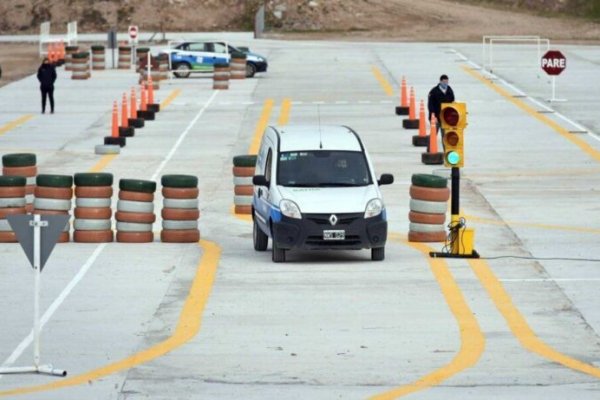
x: 6, y: 180
x: 19, y: 160
x: 80, y: 55
x: 61, y: 181
x: 93, y: 179
x: 244, y: 161
x: 179, y: 181
x: 427, y: 180
x: 97, y: 47
x: 137, y: 185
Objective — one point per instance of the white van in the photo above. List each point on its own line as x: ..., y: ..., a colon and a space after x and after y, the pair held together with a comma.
x: 315, y: 188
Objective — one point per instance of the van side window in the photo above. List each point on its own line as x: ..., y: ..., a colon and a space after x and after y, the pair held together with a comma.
x: 267, y: 170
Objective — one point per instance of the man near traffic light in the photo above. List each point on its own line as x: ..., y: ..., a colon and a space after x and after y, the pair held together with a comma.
x: 441, y: 93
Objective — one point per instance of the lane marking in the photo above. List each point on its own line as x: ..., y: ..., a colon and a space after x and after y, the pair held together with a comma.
x: 284, y: 113
x: 172, y: 96
x: 582, y: 144
x: 472, y: 338
x: 533, y: 225
x: 188, y: 326
x: 385, y: 85
x: 15, y: 123
x: 525, y: 280
x: 518, y: 324
x: 261, y: 126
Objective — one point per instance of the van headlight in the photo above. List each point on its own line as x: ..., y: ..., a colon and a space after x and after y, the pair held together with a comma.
x: 374, y: 208
x: 290, y: 209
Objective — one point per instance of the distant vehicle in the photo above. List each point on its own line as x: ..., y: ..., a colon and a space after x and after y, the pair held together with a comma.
x: 189, y: 57
x: 315, y: 188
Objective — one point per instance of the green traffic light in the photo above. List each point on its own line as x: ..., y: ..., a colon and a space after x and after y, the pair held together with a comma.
x: 453, y: 157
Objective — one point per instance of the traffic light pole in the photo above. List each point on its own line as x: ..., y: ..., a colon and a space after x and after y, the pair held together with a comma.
x: 455, y: 197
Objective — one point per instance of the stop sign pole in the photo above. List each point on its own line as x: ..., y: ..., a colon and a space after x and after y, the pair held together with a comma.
x: 554, y: 63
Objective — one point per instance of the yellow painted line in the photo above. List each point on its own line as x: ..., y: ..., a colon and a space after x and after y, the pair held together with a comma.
x: 103, y: 162
x: 471, y: 337
x: 15, y: 123
x: 242, y: 217
x: 532, y: 225
x: 386, y: 86
x: 518, y: 325
x: 582, y: 144
x: 284, y: 113
x: 189, y: 324
x: 261, y: 126
x: 170, y: 98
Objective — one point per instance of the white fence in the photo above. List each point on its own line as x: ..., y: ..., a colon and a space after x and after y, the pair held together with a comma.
x: 513, y: 51
x: 45, y: 37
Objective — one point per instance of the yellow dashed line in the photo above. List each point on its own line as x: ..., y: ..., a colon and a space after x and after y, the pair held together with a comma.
x: 471, y: 337
x: 261, y: 126
x: 284, y: 113
x: 170, y: 98
x: 103, y: 162
x: 387, y: 87
x: 189, y: 324
x: 15, y: 123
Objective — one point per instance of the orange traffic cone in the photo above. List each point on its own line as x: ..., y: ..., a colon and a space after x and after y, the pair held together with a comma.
x: 151, y: 105
x: 50, y: 56
x: 114, y: 138
x: 125, y: 130
x: 61, y: 52
x: 143, y: 112
x: 142, y: 98
x: 133, y: 120
x: 421, y: 140
x: 432, y: 157
x: 412, y: 122
x: 133, y: 104
x: 403, y: 108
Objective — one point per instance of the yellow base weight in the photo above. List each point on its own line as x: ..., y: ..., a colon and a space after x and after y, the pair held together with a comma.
x: 465, y: 242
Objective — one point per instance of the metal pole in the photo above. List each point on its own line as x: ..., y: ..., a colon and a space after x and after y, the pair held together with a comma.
x: 36, y: 295
x: 455, y: 204
x: 553, y: 88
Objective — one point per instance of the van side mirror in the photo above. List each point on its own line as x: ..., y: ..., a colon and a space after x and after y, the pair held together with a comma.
x: 260, y: 180
x: 386, y: 179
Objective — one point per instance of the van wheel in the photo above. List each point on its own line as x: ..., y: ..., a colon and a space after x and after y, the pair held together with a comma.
x: 278, y: 255
x: 378, y: 253
x: 260, y: 239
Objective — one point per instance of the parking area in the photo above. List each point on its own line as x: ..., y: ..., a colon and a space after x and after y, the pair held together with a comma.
x: 217, y: 320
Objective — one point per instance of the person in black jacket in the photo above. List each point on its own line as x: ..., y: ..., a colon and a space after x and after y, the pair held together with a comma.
x: 441, y: 93
x: 47, y: 76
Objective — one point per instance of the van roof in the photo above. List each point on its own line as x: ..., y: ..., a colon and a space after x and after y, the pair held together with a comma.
x: 309, y: 137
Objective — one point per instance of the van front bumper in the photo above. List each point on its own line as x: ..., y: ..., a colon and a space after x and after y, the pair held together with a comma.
x: 307, y: 233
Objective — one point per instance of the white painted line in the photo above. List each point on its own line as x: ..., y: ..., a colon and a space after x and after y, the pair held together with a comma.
x: 551, y: 280
x: 341, y: 102
x: 297, y: 102
x: 248, y: 103
x: 318, y: 102
x: 364, y: 102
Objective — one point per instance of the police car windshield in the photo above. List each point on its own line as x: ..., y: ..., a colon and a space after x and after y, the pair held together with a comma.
x: 323, y: 168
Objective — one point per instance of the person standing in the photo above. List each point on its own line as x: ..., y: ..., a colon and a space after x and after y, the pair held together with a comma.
x: 441, y: 93
x: 47, y: 76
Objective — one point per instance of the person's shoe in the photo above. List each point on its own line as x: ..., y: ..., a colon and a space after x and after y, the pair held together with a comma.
x: 52, y: 112
x: 43, y: 112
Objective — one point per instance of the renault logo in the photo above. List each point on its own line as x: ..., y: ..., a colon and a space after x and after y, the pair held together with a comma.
x: 333, y: 219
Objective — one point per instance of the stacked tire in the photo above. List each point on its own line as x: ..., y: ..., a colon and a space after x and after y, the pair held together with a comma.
x: 124, y: 57
x: 243, y: 171
x: 141, y: 57
x: 22, y: 164
x: 93, y: 192
x: 163, y: 66
x: 80, y: 66
x: 53, y: 194
x: 12, y: 202
x: 429, y: 196
x: 180, y: 211
x: 238, y: 65
x: 98, y: 58
x: 135, y: 211
x: 69, y: 51
x: 221, y: 76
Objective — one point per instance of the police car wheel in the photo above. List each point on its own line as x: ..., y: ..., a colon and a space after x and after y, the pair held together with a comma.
x: 182, y: 70
x: 250, y: 70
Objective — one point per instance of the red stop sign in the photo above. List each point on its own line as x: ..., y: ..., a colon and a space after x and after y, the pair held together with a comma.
x: 554, y: 62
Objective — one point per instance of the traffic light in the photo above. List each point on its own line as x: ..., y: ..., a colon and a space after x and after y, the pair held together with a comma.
x: 454, y: 120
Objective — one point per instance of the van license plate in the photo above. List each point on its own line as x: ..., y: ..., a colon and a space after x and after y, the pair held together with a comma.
x: 334, y: 235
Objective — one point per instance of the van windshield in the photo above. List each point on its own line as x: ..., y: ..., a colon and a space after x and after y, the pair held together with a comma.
x: 323, y: 168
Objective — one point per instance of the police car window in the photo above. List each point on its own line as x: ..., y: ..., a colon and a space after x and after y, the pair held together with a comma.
x: 196, y: 47
x: 219, y: 48
x: 323, y: 168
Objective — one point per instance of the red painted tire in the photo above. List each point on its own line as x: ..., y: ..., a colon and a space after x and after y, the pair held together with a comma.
x: 243, y: 171
x: 138, y: 218
x: 93, y: 212
x: 12, y: 211
x: 423, y: 218
x: 30, y: 189
x: 244, y: 190
x: 98, y: 192
x: 8, y: 237
x: 180, y: 236
x: 20, y: 171
x: 47, y: 192
x: 243, y: 209
x: 429, y: 194
x: 180, y: 193
x: 50, y: 212
x: 180, y: 214
x: 64, y: 237
x: 135, y: 237
x: 426, y: 236
x: 136, y: 196
x: 12, y: 191
x: 92, y: 236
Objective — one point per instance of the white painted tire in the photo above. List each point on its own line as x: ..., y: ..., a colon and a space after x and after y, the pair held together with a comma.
x: 5, y: 226
x: 135, y: 206
x: 242, y: 180
x: 428, y: 207
x: 92, y: 224
x: 51, y: 204
x: 12, y: 202
x: 29, y: 198
x: 179, y: 225
x: 242, y: 200
x: 133, y: 227
x: 427, y: 228
x: 180, y: 203
x: 107, y: 149
x: 86, y: 202
x: 31, y: 180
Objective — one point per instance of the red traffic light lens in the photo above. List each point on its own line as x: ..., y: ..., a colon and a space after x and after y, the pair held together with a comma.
x: 451, y: 138
x: 450, y: 116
